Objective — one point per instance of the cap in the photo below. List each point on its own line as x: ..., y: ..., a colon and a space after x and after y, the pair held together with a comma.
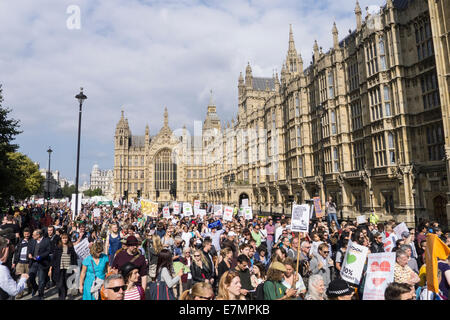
x: 338, y: 287
x: 132, y: 241
x: 278, y: 266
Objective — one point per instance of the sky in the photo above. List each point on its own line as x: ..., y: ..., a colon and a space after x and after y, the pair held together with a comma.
x: 141, y: 56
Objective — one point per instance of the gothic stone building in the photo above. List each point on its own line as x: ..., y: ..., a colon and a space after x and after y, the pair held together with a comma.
x: 363, y: 124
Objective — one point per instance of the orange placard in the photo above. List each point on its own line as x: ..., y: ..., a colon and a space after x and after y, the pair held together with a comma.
x: 318, y: 207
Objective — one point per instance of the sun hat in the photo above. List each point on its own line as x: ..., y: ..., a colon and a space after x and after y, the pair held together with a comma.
x: 338, y: 287
x: 278, y: 266
x: 132, y: 241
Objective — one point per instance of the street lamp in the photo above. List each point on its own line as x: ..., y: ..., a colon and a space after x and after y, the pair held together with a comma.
x: 321, y: 111
x: 80, y: 97
x: 48, y: 175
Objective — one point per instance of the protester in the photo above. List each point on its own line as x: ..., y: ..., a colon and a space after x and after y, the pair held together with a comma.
x: 402, y: 271
x: 112, y: 243
x: 39, y: 255
x: 134, y: 291
x: 114, y: 287
x: 164, y: 271
x: 292, y: 279
x: 21, y: 261
x: 93, y: 266
x: 230, y: 287
x: 225, y: 263
x: 316, y: 288
x: 399, y: 291
x: 9, y: 287
x: 273, y: 286
x: 199, y: 291
x: 321, y: 264
x: 63, y: 257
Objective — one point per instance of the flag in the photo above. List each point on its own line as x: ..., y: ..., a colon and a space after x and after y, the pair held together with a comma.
x: 436, y: 249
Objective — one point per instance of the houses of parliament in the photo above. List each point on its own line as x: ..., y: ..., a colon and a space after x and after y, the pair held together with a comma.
x: 367, y: 123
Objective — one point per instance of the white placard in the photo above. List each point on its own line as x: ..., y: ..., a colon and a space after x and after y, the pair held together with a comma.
x: 388, y: 244
x: 244, y: 202
x: 228, y: 214
x: 202, y: 212
x: 166, y: 213
x: 400, y: 229
x: 96, y: 212
x: 361, y: 219
x: 196, y: 204
x: 380, y: 272
x: 72, y: 206
x: 176, y: 208
x: 218, y: 210
x: 82, y: 249
x: 300, y: 218
x: 187, y: 209
x: 248, y: 213
x: 353, y: 265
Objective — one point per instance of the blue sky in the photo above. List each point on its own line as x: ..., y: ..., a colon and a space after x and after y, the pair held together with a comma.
x: 139, y: 56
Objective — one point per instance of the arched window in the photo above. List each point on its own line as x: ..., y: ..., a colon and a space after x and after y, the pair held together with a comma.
x: 165, y: 170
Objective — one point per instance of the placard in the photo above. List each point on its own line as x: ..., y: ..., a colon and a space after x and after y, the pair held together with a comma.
x: 300, y: 218
x: 228, y: 214
x: 361, y: 219
x: 318, y: 207
x: 82, y: 249
x: 72, y: 205
x: 218, y: 210
x: 400, y: 229
x: 166, y: 213
x: 202, y: 212
x: 388, y: 244
x: 244, y: 202
x: 187, y: 209
x: 96, y: 212
x: 248, y: 213
x: 353, y: 265
x: 380, y: 272
x: 196, y: 204
x: 176, y: 208
x: 149, y: 208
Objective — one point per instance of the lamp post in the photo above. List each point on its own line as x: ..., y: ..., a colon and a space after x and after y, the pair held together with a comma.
x: 321, y: 112
x: 48, y: 175
x: 120, y: 193
x: 80, y: 97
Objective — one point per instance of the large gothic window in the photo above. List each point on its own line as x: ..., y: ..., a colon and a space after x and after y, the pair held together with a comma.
x: 165, y: 170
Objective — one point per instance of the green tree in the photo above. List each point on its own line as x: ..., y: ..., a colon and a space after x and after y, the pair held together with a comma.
x: 67, y: 191
x: 94, y: 192
x: 9, y: 128
x: 24, y: 177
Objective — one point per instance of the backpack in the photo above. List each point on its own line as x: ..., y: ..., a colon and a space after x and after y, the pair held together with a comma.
x: 160, y: 291
x: 259, y: 292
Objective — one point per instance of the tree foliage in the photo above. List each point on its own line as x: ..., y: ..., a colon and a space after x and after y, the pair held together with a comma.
x: 92, y: 193
x: 24, y: 177
x: 67, y: 191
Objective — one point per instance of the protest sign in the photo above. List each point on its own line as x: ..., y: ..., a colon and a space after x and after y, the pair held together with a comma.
x: 216, y: 224
x: 300, y: 218
x: 400, y: 229
x: 318, y: 207
x: 388, y: 244
x: 228, y: 214
x: 166, y: 213
x: 196, y: 204
x: 218, y: 210
x: 82, y: 249
x: 149, y: 208
x: 96, y: 212
x: 248, y: 213
x: 176, y: 208
x: 353, y: 265
x: 177, y: 266
x: 361, y: 219
x: 201, y: 212
x: 244, y: 202
x: 187, y: 209
x: 380, y: 272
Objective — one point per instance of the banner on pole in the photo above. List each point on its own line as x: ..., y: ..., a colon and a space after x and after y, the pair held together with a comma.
x: 353, y: 265
x: 300, y: 218
x: 400, y: 229
x: 380, y: 272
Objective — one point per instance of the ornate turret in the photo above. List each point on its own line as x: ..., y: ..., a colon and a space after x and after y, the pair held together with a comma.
x: 248, y: 76
x: 241, y: 86
x: 166, y: 117
x: 316, y: 50
x: 292, y: 62
x: 123, y: 133
x: 335, y: 36
x: 358, y: 14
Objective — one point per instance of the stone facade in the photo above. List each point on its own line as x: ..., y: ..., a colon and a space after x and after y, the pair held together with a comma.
x: 102, y: 179
x: 363, y: 123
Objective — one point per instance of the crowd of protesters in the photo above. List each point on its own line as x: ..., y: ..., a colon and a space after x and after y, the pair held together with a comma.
x: 138, y: 257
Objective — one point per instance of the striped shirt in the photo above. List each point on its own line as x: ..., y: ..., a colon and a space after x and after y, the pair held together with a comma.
x: 132, y: 294
x: 65, y: 259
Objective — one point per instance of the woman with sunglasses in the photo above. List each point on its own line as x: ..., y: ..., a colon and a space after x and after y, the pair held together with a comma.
x: 199, y: 291
x: 200, y: 268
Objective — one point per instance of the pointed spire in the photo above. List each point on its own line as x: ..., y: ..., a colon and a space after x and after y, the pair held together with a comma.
x: 389, y: 4
x: 147, y: 129
x: 211, y: 100
x: 248, y: 76
x: 291, y: 39
x: 122, y: 116
x: 335, y: 36
x: 358, y: 14
x: 316, y: 50
x: 241, y: 78
x: 166, y: 117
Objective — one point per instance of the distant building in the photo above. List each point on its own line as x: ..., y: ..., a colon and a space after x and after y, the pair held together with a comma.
x: 101, y: 179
